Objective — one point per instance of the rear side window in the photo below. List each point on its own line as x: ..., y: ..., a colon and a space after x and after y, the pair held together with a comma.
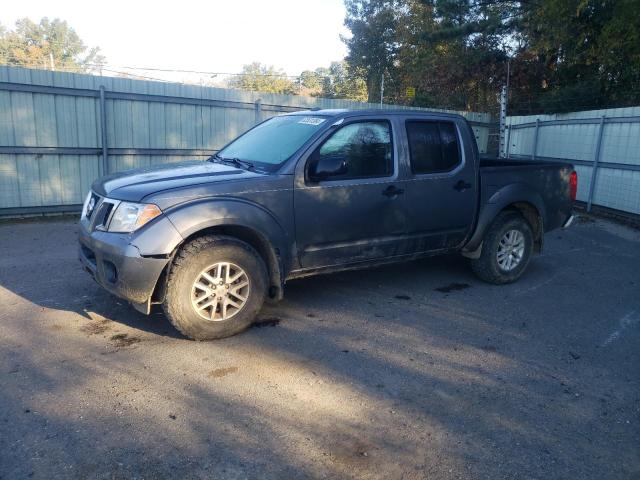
x: 433, y: 146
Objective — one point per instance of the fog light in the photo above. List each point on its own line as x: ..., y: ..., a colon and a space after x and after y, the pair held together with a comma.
x: 110, y: 271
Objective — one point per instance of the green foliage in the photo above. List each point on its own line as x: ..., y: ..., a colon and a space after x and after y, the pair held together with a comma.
x: 579, y: 54
x: 38, y: 45
x: 312, y: 81
x: 374, y: 43
x: 262, y: 78
x: 338, y: 81
x: 564, y: 54
x: 344, y: 81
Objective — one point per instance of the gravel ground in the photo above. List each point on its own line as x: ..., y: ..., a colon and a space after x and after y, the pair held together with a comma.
x: 408, y: 371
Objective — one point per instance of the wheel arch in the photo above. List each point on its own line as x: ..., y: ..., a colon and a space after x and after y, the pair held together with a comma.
x: 533, y: 218
x: 518, y: 198
x: 269, y: 254
x: 239, y: 219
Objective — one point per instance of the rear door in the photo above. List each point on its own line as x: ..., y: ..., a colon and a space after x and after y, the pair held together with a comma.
x: 359, y: 214
x: 441, y: 186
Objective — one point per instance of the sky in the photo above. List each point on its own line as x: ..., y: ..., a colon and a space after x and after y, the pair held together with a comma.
x: 214, y: 35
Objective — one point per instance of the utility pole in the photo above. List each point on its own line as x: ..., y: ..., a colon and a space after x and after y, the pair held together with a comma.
x: 381, y: 89
x: 53, y: 65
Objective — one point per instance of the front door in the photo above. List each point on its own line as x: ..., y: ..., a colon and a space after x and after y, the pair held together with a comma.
x: 349, y: 206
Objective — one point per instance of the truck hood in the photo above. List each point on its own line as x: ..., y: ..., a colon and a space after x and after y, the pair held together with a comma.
x: 134, y: 185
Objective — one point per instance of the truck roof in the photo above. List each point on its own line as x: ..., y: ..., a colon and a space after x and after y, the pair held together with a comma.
x: 344, y: 112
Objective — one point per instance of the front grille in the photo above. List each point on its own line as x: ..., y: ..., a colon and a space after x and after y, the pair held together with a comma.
x: 98, y: 211
x: 93, y: 204
x: 102, y: 215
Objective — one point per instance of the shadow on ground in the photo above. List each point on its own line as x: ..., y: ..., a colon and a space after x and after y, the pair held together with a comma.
x: 408, y: 371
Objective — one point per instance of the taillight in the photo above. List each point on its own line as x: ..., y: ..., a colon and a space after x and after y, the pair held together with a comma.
x: 573, y: 185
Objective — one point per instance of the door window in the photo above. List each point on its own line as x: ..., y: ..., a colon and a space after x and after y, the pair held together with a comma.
x: 433, y: 146
x: 357, y: 150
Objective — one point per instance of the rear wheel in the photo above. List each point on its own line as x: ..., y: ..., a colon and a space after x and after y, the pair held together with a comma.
x: 506, y: 250
x: 216, y: 287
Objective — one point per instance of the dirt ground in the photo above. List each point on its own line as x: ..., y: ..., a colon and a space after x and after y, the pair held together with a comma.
x: 408, y: 371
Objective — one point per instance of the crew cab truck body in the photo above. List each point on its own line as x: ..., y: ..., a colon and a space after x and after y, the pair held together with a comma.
x: 314, y: 192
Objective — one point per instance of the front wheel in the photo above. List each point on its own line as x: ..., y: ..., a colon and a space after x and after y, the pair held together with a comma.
x: 506, y: 250
x: 216, y: 287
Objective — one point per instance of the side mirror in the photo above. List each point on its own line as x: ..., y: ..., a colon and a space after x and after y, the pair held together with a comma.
x: 326, y: 167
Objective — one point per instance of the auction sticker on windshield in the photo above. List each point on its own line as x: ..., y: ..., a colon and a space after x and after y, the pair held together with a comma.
x: 311, y: 120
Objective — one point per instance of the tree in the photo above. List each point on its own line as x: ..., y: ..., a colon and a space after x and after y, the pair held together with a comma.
x: 262, y: 78
x: 372, y: 46
x: 312, y: 81
x: 433, y: 46
x: 564, y: 54
x: 578, y: 54
x: 340, y: 80
x: 344, y: 81
x: 50, y: 44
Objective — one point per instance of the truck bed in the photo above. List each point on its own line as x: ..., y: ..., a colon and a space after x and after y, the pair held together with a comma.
x: 496, y: 162
x: 537, y: 177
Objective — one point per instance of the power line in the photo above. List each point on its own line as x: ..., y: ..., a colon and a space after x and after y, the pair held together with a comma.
x: 76, y: 69
x: 111, y: 68
x: 201, y: 72
x: 126, y: 74
x: 136, y: 76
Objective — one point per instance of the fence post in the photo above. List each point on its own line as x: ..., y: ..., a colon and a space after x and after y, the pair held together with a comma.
x: 503, y: 121
x: 103, y: 131
x: 508, y: 143
x: 258, y: 110
x: 596, y: 161
x: 535, y: 140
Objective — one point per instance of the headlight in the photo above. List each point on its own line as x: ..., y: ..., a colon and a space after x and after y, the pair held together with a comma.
x: 131, y: 216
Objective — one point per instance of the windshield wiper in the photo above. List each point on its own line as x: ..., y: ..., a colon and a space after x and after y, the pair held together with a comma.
x: 234, y: 161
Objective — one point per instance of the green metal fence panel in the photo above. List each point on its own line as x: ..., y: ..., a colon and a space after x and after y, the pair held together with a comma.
x: 51, y: 129
x: 9, y: 190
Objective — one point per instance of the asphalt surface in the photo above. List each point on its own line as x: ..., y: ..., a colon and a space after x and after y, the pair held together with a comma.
x: 407, y: 371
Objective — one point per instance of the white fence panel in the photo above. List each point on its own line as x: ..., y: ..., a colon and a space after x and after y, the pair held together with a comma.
x: 51, y: 129
x: 576, y: 136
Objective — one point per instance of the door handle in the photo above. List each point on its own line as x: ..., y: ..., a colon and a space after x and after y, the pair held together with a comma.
x: 461, y: 185
x: 392, y: 191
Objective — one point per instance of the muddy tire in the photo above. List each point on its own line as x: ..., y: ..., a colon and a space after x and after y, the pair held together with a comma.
x: 215, y: 288
x: 506, y: 250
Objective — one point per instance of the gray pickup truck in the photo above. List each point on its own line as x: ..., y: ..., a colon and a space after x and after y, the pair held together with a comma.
x: 314, y: 192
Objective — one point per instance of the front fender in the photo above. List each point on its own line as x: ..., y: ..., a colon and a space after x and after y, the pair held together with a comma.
x: 195, y: 216
x: 498, y: 201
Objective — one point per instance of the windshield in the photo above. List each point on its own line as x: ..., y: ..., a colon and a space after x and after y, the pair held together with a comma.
x: 273, y: 141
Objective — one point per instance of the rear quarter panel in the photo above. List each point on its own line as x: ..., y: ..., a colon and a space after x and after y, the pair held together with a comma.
x: 543, y: 185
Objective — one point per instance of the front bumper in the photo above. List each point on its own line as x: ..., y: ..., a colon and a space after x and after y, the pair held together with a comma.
x: 117, y: 266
